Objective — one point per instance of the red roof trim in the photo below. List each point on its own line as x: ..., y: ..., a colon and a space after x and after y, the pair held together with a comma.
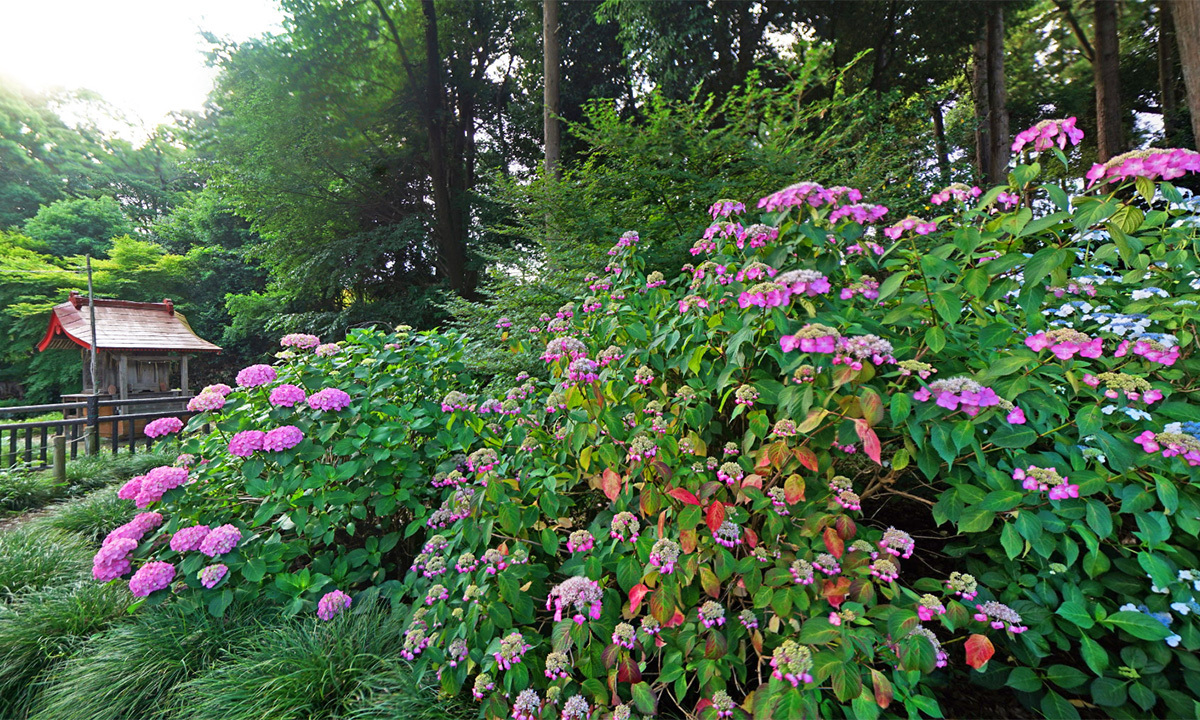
x: 56, y: 328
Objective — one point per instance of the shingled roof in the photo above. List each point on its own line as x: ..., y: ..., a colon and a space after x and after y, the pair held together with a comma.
x: 122, y: 325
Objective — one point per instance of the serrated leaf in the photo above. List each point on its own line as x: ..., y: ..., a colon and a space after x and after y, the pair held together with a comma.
x: 979, y: 651
x: 1076, y: 612
x: 1139, y: 625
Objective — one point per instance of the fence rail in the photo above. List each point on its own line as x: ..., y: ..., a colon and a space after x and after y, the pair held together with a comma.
x: 33, y: 443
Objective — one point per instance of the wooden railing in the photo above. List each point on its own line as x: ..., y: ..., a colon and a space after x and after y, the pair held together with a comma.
x: 33, y: 444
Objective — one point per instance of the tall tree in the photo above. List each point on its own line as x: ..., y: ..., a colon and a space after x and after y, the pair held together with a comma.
x: 1186, y: 14
x: 989, y: 89
x: 1165, y: 54
x: 550, y: 80
x: 1107, y: 76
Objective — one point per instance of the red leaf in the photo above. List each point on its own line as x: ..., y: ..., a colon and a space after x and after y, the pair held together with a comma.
x: 754, y: 481
x: 835, y: 593
x: 611, y: 482
x: 675, y: 621
x: 807, y: 458
x: 793, y: 489
x: 684, y: 496
x: 834, y: 543
x: 979, y: 651
x: 715, y: 515
x: 636, y: 593
x: 872, y: 406
x: 845, y: 527
x: 708, y: 581
x: 751, y: 537
x: 662, y: 520
x: 703, y: 704
x: 627, y: 670
x: 883, y: 689
x: 869, y: 439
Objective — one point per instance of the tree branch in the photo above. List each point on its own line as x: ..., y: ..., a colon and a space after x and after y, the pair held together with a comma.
x: 1064, y: 6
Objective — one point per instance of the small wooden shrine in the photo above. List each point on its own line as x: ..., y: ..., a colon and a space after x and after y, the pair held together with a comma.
x: 142, y: 349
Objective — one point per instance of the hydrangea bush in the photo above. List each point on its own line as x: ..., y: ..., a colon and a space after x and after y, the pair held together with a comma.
x: 679, y: 515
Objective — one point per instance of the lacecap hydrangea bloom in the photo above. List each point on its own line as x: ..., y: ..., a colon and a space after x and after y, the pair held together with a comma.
x: 578, y: 593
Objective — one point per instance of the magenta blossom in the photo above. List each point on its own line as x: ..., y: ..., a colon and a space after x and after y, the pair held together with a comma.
x: 114, y: 559
x: 329, y: 399
x: 282, y: 438
x: 189, y: 538
x: 333, y: 603
x: 1065, y: 343
x: 246, y: 443
x: 300, y: 341
x: 255, y: 376
x: 220, y: 540
x: 286, y: 395
x: 151, y: 577
x: 163, y: 426
x: 206, y: 401
x: 213, y: 574
x: 910, y: 223
x: 1047, y: 134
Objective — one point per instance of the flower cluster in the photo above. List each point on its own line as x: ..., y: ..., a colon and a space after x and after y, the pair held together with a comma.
x: 897, y: 542
x: 915, y: 224
x: 255, y: 376
x: 999, y: 616
x: 957, y: 191
x: 728, y: 534
x: 1171, y: 444
x: 189, y: 538
x: 1047, y: 134
x: 220, y: 540
x: 624, y: 635
x: 812, y: 338
x: 578, y: 593
x: 1152, y: 350
x: 206, y: 401
x: 163, y: 426
x: 1046, y: 480
x: 282, y: 438
x: 962, y: 585
x: 807, y: 193
x: 664, y: 554
x: 580, y: 541
x: 332, y: 603
x: 1065, y: 343
x: 329, y: 399
x: 512, y: 648
x: 712, y: 614
x: 300, y: 341
x: 953, y: 392
x: 1151, y: 164
x: 793, y: 662
x: 802, y: 571
x: 152, y: 576
x: 287, y: 395
x: 624, y: 527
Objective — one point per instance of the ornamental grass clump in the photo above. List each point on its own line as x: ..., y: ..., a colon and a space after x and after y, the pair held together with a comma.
x: 775, y: 430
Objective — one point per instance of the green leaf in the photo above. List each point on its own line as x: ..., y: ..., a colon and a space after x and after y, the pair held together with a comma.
x: 1094, y: 655
x: 1056, y: 706
x: 1042, y: 263
x: 1065, y: 676
x: 1157, y: 568
x: 935, y: 338
x: 890, y: 285
x: 1011, y: 541
x: 1139, y: 625
x: 1013, y: 436
x: 948, y: 306
x: 1023, y: 679
x: 845, y: 680
x: 643, y: 698
x: 1128, y: 218
x: 254, y: 570
x: 975, y: 520
x: 1005, y: 365
x: 1089, y: 420
x: 899, y: 407
x: 1076, y: 612
x: 1099, y: 518
x: 1108, y: 692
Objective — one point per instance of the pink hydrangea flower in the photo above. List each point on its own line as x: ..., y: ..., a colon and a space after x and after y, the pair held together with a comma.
x: 220, y: 389
x: 255, y: 376
x: 329, y: 399
x: 158, y: 481
x: 300, y: 341
x: 1151, y: 163
x: 130, y: 490
x: 910, y: 223
x: 1016, y: 416
x: 327, y: 350
x: 286, y: 395
x: 213, y: 574
x: 189, y: 538
x: 136, y: 528
x: 151, y: 577
x: 1066, y: 343
x: 246, y: 443
x: 220, y: 540
x: 206, y: 401
x: 1151, y: 350
x: 333, y: 603
x: 1047, y: 134
x: 577, y: 593
x: 282, y: 438
x: 163, y: 426
x: 113, y: 559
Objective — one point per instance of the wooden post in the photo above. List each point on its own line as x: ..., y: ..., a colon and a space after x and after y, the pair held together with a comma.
x: 123, y: 377
x: 60, y: 458
x: 183, y: 374
x: 91, y: 431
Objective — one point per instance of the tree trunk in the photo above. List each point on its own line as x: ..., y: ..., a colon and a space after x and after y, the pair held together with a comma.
x: 997, y: 97
x: 939, y: 135
x: 1186, y: 16
x: 550, y: 75
x: 979, y: 95
x: 1167, y: 98
x: 1106, y: 71
x: 449, y: 228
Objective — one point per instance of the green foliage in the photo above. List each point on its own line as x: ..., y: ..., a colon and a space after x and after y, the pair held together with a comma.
x: 714, y: 371
x: 43, y: 628
x: 79, y: 227
x: 33, y: 557
x: 92, y: 516
x: 298, y: 671
x: 135, y: 669
x: 23, y: 490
